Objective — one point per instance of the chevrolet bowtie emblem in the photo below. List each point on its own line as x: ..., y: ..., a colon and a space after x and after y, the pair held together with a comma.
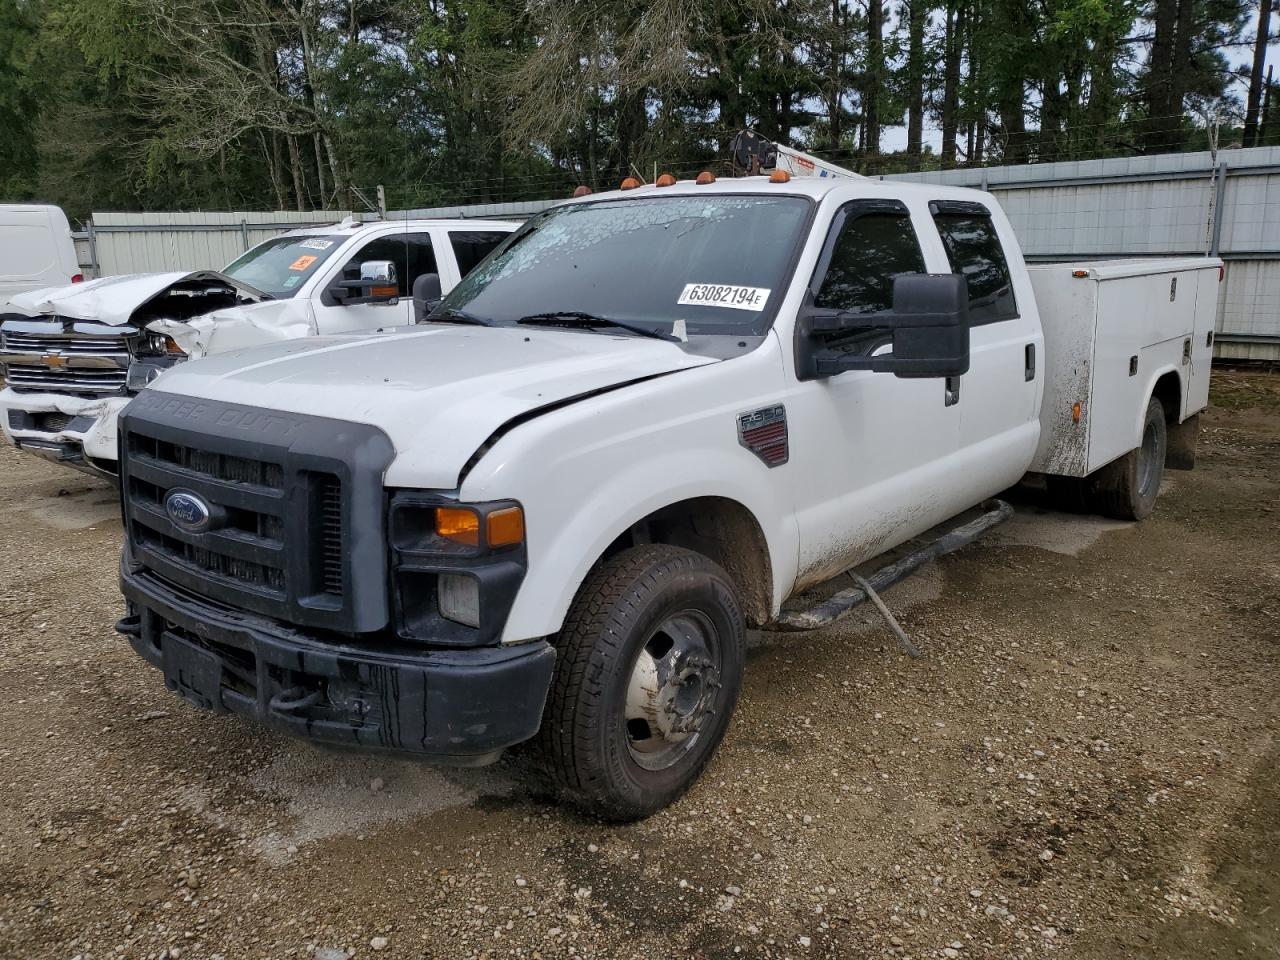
x: 54, y: 360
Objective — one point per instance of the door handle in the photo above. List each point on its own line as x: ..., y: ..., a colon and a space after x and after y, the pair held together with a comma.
x: 1029, y: 362
x: 952, y: 392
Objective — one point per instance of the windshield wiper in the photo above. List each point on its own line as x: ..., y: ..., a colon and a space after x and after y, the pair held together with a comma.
x: 576, y: 318
x: 454, y: 315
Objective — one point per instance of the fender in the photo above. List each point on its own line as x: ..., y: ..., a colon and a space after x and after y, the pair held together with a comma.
x: 1149, y: 390
x: 588, y: 472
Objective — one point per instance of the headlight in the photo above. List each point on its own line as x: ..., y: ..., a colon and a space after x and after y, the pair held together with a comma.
x: 145, y: 369
x: 456, y: 567
x: 163, y: 345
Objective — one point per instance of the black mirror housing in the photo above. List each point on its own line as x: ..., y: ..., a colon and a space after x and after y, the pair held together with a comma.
x: 928, y: 328
x: 427, y: 292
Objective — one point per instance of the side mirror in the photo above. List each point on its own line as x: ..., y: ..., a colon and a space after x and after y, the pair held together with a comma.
x: 427, y: 292
x: 377, y: 283
x: 928, y: 328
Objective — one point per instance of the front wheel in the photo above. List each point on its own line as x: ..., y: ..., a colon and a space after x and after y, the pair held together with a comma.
x: 649, y: 665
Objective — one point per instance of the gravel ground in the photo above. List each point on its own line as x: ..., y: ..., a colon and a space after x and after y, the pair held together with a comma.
x: 1084, y: 764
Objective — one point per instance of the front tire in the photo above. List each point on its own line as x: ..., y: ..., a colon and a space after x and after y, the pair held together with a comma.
x: 649, y: 665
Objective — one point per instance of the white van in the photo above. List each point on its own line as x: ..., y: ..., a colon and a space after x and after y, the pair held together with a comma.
x: 36, y: 249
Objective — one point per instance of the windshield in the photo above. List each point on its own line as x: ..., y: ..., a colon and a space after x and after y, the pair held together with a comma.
x: 716, y: 264
x: 281, y: 264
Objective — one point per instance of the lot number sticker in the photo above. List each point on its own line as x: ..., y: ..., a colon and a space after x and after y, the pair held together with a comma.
x: 316, y: 244
x: 724, y: 295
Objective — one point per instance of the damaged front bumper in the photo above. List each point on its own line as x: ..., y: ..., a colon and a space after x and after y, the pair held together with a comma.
x: 78, y: 432
x: 452, y: 706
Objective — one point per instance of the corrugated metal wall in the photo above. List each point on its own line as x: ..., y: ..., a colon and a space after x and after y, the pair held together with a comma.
x: 157, y: 242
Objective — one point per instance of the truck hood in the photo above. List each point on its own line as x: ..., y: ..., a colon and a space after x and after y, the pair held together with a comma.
x: 117, y: 300
x: 109, y: 300
x: 438, y: 392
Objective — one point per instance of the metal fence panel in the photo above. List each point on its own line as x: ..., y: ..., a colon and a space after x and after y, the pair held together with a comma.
x: 158, y: 242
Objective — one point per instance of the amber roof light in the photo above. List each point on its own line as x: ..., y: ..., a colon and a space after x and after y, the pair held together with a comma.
x: 779, y: 176
x: 582, y: 191
x: 666, y: 180
x: 705, y: 177
x: 629, y: 184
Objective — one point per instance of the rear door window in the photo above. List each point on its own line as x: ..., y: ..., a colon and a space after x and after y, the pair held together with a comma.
x: 472, y: 246
x: 973, y: 249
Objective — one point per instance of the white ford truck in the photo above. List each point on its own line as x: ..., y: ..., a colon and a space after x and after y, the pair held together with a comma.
x: 74, y: 356
x: 650, y: 419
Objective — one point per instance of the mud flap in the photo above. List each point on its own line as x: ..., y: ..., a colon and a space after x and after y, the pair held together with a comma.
x: 1180, y: 454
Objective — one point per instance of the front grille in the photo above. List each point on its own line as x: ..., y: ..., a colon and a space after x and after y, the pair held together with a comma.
x: 66, y: 362
x: 80, y: 346
x: 65, y: 380
x: 246, y: 548
x: 285, y: 495
x: 329, y: 500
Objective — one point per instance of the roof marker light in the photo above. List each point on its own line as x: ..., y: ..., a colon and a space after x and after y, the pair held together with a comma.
x: 779, y: 176
x: 705, y: 177
x: 629, y: 184
x: 582, y: 191
x: 666, y: 180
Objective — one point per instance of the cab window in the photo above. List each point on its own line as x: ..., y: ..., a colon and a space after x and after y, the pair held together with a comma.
x: 973, y: 249
x: 871, y: 251
x: 472, y: 246
x: 410, y: 252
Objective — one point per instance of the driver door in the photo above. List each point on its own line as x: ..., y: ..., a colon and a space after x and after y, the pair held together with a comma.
x: 412, y: 254
x: 873, y: 452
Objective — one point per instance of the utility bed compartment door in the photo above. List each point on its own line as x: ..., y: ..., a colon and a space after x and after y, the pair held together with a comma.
x: 1208, y: 289
x: 1110, y: 327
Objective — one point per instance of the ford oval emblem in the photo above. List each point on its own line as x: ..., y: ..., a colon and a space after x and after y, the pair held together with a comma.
x: 188, y: 511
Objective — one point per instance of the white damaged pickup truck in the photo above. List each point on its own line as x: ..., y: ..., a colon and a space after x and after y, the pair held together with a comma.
x: 74, y: 356
x: 648, y: 421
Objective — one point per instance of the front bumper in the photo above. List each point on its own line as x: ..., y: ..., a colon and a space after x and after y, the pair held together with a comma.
x: 86, y: 433
x: 459, y: 706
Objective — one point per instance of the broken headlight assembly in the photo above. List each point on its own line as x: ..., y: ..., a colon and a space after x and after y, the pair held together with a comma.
x: 455, y: 567
x: 154, y: 354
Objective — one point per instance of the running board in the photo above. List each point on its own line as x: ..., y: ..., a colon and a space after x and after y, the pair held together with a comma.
x: 835, y: 607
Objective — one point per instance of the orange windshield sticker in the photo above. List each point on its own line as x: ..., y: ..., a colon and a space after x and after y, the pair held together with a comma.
x: 302, y: 263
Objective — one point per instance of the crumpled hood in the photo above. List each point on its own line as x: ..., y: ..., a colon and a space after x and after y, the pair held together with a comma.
x: 246, y: 325
x: 110, y: 300
x: 438, y: 392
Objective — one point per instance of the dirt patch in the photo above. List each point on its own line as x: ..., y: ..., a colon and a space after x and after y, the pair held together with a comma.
x: 1084, y: 764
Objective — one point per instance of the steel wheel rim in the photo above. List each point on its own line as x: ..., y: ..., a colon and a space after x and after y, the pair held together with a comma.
x: 673, y: 690
x: 1147, y: 466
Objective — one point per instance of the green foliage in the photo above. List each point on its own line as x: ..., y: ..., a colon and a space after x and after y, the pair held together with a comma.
x: 185, y: 104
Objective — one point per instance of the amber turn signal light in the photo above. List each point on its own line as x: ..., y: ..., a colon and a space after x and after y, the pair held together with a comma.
x: 459, y: 525
x: 629, y: 184
x: 506, y: 527
x: 1075, y: 412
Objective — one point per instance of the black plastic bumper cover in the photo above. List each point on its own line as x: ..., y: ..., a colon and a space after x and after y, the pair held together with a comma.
x: 460, y: 706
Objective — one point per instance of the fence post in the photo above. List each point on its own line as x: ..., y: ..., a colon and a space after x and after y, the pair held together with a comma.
x: 1219, y: 198
x: 93, y: 249
x: 244, y: 234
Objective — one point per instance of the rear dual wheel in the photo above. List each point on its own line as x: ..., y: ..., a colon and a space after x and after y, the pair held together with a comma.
x: 1126, y: 488
x: 649, y: 665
